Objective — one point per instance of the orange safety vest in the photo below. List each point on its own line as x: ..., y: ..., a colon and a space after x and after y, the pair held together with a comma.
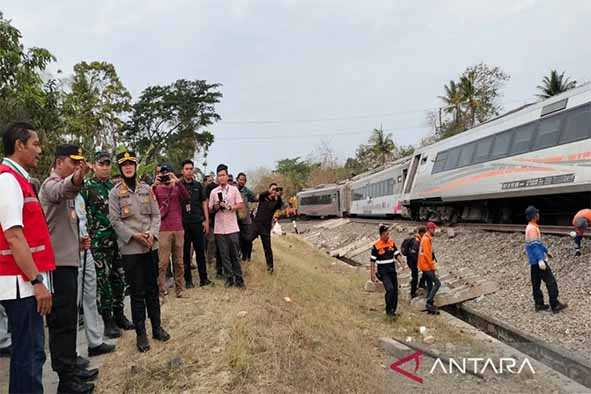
x: 426, y: 262
x: 585, y: 213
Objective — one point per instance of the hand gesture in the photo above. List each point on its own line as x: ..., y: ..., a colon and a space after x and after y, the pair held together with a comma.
x: 43, y: 298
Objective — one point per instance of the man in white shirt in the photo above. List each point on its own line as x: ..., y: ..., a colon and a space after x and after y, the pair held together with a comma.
x: 26, y: 257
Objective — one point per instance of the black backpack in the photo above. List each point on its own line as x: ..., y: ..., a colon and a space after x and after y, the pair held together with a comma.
x: 406, y: 247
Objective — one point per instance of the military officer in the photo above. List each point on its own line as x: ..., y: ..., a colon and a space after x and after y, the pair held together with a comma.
x: 135, y: 216
x: 109, y: 271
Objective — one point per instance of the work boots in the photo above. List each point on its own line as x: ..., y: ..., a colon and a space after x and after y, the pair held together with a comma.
x: 159, y: 334
x: 142, y: 343
x: 122, y: 322
x: 111, y: 329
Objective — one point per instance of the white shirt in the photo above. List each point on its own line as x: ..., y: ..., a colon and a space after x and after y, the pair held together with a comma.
x: 11, y: 215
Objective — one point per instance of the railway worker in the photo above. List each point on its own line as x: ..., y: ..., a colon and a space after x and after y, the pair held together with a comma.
x: 537, y: 255
x: 410, y: 249
x: 427, y: 266
x: 269, y: 202
x: 383, y: 254
x: 57, y: 196
x: 244, y: 218
x: 135, y: 216
x: 224, y: 201
x: 581, y: 221
x: 109, y: 270
x: 25, y: 286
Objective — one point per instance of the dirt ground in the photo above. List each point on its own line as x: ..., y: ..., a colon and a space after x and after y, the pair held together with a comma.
x: 308, y: 328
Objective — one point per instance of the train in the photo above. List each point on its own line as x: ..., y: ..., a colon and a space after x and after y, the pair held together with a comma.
x: 539, y: 154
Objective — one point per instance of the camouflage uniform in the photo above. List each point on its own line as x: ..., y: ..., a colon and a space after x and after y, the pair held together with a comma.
x: 109, y: 271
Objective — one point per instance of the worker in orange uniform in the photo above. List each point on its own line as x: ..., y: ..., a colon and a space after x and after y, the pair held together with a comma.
x: 581, y: 221
x: 427, y: 266
x: 383, y: 254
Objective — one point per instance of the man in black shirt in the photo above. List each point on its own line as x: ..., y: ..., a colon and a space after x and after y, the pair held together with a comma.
x: 269, y: 202
x: 195, y: 224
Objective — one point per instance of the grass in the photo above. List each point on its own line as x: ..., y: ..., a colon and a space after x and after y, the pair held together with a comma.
x: 325, y: 339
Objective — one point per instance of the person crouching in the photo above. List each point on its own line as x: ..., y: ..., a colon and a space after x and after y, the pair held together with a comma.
x: 383, y: 253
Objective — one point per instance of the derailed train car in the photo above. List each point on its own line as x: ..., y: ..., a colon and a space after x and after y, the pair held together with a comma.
x: 325, y: 201
x: 538, y: 154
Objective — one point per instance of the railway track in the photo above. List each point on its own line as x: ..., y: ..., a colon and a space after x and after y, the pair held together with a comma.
x: 504, y: 228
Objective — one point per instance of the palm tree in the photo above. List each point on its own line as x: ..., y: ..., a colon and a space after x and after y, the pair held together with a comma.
x: 382, y: 145
x: 453, y: 99
x: 554, y: 84
x: 470, y: 96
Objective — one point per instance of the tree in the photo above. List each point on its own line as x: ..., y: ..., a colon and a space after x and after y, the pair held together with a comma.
x: 95, y: 106
x: 296, y: 171
x: 554, y: 84
x: 171, y: 114
x: 453, y: 100
x: 382, y: 146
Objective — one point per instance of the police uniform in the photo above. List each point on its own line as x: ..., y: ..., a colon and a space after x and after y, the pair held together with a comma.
x: 133, y: 210
x: 109, y: 272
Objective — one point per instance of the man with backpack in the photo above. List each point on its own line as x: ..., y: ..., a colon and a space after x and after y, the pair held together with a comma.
x: 410, y: 249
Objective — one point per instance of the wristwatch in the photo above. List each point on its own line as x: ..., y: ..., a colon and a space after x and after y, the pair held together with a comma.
x: 36, y: 280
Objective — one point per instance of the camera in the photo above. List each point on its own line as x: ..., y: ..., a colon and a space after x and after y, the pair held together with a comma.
x: 221, y: 200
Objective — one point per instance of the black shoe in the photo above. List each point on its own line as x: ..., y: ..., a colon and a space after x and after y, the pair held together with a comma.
x: 577, y: 253
x: 558, y: 307
x: 82, y: 362
x: 543, y: 307
x: 111, y: 329
x: 270, y: 270
x: 74, y: 386
x: 160, y: 335
x: 207, y: 282
x: 122, y: 322
x: 189, y: 285
x: 5, y: 352
x: 86, y: 375
x: 239, y: 283
x: 432, y: 309
x: 142, y: 343
x: 103, y: 348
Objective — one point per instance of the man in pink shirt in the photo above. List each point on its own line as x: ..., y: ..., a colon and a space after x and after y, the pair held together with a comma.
x: 171, y: 196
x: 224, y: 201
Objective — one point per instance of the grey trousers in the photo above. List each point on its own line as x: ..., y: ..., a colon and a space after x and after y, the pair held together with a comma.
x: 93, y: 325
x: 5, y: 340
x: 229, y: 249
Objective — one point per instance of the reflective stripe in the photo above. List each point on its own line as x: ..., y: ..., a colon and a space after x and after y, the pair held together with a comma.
x: 28, y: 200
x: 385, y: 261
x: 35, y: 249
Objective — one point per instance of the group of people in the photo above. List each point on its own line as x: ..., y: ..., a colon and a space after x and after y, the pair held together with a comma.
x: 78, y: 243
x: 419, y: 254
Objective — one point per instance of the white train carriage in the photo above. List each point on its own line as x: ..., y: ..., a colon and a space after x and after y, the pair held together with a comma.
x: 542, y: 149
x: 378, y: 193
x: 324, y: 200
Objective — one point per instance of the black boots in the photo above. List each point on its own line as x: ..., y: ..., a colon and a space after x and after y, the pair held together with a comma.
x: 111, y: 329
x: 103, y: 348
x: 159, y: 334
x: 122, y: 322
x: 142, y: 339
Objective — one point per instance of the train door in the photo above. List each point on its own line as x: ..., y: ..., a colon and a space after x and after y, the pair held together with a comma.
x: 410, y: 177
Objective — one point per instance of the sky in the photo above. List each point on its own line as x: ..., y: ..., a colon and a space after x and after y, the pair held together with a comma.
x: 299, y: 74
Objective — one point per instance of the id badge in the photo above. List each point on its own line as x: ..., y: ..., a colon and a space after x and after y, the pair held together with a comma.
x: 188, y: 208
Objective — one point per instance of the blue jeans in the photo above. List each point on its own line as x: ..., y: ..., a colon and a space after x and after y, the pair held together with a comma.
x: 28, y: 355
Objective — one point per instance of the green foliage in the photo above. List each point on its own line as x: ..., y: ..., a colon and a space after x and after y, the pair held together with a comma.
x: 166, y: 119
x: 296, y: 170
x: 554, y: 84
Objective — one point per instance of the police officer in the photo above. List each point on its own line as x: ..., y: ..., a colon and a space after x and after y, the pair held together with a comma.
x: 135, y: 216
x: 109, y: 271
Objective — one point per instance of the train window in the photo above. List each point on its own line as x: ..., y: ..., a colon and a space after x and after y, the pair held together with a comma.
x: 356, y: 194
x: 577, y: 125
x: 548, y: 132
x: 452, y: 158
x: 440, y: 161
x: 424, y: 160
x: 523, y: 138
x: 466, y: 154
x: 482, y: 150
x: 501, y: 145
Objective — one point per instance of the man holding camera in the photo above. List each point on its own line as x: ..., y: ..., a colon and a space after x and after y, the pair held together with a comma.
x: 224, y: 201
x: 171, y: 196
x: 269, y: 202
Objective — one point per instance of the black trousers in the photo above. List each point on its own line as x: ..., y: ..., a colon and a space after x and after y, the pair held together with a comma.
x: 246, y: 240
x: 433, y: 285
x: 537, y: 276
x: 62, y: 321
x: 194, y: 236
x: 266, y: 241
x: 228, y: 248
x: 414, y: 271
x: 141, y: 271
x: 387, y: 274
